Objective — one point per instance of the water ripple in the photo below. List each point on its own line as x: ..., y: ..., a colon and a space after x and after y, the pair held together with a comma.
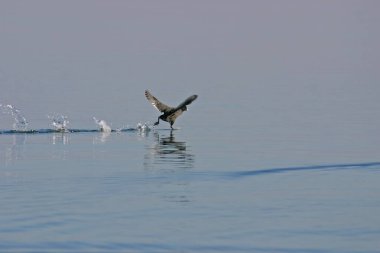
x: 329, y: 167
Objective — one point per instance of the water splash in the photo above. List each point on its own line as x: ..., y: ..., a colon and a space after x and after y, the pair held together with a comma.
x: 19, y: 121
x: 143, y: 128
x: 104, y: 127
x: 59, y: 122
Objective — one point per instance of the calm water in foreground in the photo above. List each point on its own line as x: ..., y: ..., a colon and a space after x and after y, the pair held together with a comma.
x: 186, y: 190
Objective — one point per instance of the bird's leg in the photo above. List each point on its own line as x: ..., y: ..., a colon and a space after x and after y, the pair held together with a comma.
x: 158, y: 121
x: 171, y: 125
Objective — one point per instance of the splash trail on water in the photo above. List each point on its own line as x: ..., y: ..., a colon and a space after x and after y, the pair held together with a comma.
x: 71, y: 130
x: 60, y: 124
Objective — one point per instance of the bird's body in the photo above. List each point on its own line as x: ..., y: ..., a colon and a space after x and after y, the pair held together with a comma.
x: 170, y: 114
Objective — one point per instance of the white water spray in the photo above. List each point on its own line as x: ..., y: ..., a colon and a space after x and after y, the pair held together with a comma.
x: 19, y: 121
x: 60, y: 122
x: 143, y: 127
x: 104, y: 127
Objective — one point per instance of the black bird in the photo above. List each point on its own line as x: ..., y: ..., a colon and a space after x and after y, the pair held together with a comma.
x: 170, y: 113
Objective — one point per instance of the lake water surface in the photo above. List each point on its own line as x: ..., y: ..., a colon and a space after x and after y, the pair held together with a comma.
x: 187, y: 190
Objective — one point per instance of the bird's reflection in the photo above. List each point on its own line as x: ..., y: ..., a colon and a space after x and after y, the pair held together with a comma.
x: 169, y: 159
x: 169, y: 153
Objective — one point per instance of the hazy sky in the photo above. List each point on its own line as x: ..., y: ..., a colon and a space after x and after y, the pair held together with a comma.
x: 95, y: 58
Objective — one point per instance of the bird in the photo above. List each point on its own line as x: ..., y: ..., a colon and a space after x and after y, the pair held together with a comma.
x: 170, y: 114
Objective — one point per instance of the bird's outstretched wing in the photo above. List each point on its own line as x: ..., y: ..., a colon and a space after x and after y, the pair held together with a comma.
x: 156, y: 103
x: 188, y: 101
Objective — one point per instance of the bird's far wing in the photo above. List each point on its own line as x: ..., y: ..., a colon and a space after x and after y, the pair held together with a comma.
x: 188, y: 101
x: 156, y: 103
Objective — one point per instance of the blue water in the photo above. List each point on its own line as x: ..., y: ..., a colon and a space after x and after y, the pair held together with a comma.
x: 178, y: 191
x: 261, y: 174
